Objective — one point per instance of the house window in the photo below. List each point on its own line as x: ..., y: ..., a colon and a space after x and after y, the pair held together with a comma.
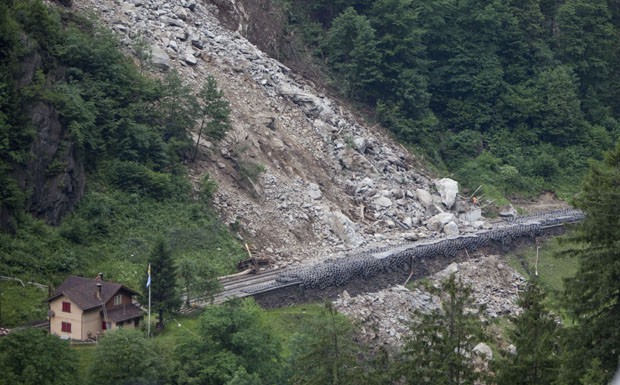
x: 66, y: 327
x: 106, y: 325
x: 118, y: 299
x: 66, y: 307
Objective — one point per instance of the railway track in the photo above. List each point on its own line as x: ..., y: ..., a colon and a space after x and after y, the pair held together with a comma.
x: 337, y: 272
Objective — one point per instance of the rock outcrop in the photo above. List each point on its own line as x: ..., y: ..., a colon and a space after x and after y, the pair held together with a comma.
x: 54, y: 177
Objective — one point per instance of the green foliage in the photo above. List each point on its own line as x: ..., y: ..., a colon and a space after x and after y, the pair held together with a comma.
x: 35, y: 252
x: 177, y: 110
x: 547, y: 263
x: 164, y: 294
x: 438, y: 351
x: 21, y: 304
x: 31, y: 356
x: 198, y: 279
x: 533, y: 83
x: 208, y: 187
x: 125, y: 356
x: 250, y: 170
x: 235, y: 345
x: 214, y: 110
x: 595, y: 374
x: 351, y: 48
x: 133, y: 177
x: 593, y: 295
x: 324, y: 353
x: 535, y: 335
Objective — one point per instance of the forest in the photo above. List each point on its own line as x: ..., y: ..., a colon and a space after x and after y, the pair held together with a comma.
x: 515, y: 94
x: 519, y: 95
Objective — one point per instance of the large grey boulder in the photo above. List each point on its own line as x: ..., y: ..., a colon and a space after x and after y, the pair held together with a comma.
x: 314, y: 191
x: 424, y: 197
x: 448, y: 189
x: 383, y: 202
x: 159, y: 58
x: 437, y: 222
x: 344, y: 228
x: 472, y: 215
x: 483, y: 349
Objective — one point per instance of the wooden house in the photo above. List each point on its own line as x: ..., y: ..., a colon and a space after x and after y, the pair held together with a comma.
x: 84, y: 308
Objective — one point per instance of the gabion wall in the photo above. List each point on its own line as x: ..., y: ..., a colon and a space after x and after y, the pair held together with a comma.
x: 338, y: 272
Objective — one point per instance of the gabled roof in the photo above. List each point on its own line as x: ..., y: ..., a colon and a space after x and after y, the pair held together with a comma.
x: 83, y: 291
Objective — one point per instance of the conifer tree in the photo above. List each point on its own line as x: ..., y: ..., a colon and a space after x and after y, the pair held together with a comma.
x: 351, y: 48
x: 593, y: 294
x: 536, y: 338
x: 214, y: 112
x: 324, y: 353
x: 164, y: 294
x: 439, y: 349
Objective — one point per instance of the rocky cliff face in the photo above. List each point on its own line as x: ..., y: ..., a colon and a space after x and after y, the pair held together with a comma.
x: 300, y: 175
x: 53, y: 178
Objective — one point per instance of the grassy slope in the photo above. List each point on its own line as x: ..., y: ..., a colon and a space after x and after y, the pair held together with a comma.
x: 552, y: 268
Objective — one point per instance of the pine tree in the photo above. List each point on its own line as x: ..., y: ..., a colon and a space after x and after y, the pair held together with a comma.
x: 439, y: 349
x: 324, y: 353
x: 593, y: 294
x: 164, y: 294
x: 214, y: 112
x: 351, y: 48
x: 536, y: 338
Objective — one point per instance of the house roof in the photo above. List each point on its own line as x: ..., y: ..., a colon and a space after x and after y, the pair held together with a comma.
x: 83, y: 291
x: 124, y: 313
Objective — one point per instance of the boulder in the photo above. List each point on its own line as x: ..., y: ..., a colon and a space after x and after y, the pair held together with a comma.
x: 160, y: 59
x: 472, y: 215
x: 451, y: 229
x: 190, y: 59
x: 483, y: 349
x: 508, y: 212
x: 344, y: 228
x: 437, y: 222
x: 424, y: 197
x: 314, y: 191
x: 360, y: 144
x: 448, y: 189
x: 383, y: 202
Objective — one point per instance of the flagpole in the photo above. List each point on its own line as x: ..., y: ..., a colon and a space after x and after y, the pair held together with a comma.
x: 148, y: 328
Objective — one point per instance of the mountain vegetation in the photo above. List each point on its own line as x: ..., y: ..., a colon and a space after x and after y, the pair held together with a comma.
x: 93, y: 153
x: 516, y: 95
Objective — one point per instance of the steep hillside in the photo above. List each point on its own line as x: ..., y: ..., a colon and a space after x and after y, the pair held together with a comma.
x: 299, y: 175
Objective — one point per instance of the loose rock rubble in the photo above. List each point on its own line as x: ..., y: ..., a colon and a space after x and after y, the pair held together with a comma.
x: 383, y: 317
x: 331, y: 183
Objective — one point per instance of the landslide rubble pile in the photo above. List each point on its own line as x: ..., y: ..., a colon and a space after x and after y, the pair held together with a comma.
x: 325, y: 180
x: 382, y: 317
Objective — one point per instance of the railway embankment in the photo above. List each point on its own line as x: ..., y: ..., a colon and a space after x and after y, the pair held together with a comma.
x: 377, y: 269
